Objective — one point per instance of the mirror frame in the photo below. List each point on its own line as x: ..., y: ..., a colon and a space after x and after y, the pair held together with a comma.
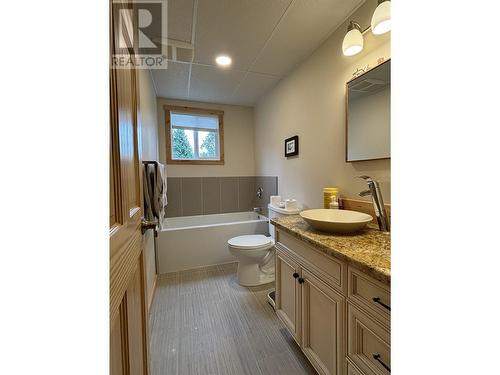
x: 347, y: 116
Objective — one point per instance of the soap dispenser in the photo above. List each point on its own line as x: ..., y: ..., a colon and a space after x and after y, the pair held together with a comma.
x: 334, y: 204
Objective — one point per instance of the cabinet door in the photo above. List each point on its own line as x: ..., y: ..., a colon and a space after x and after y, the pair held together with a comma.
x: 322, y: 325
x: 287, y: 293
x: 351, y: 370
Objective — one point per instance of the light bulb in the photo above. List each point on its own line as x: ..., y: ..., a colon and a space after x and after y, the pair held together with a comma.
x: 353, y: 40
x: 223, y: 60
x: 381, y: 19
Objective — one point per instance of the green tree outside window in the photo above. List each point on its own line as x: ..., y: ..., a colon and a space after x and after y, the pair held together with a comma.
x: 207, y: 148
x: 181, y: 146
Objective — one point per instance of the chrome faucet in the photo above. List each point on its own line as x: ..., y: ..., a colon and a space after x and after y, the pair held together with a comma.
x: 257, y: 210
x: 378, y: 202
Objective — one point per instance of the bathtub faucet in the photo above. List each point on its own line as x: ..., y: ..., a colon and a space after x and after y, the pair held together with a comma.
x: 257, y: 209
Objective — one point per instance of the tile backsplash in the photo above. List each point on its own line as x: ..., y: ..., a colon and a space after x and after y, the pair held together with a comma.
x: 189, y: 196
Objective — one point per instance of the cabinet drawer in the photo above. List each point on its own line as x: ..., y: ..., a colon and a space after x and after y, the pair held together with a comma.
x: 369, y: 293
x: 331, y: 271
x: 351, y: 370
x: 368, y: 342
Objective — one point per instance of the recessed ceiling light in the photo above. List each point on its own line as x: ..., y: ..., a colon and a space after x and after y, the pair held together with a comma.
x: 223, y: 60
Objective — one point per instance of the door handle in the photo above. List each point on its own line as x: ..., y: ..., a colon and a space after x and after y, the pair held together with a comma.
x: 145, y: 225
x: 295, y: 275
x: 301, y: 280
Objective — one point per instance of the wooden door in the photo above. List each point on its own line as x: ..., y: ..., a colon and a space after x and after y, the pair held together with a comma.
x: 322, y: 325
x: 128, y: 309
x: 287, y: 293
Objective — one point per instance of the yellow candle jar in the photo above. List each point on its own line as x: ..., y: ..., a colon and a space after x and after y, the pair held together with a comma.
x: 328, y: 196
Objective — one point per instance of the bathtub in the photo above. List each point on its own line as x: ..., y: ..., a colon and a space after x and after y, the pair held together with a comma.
x: 195, y: 241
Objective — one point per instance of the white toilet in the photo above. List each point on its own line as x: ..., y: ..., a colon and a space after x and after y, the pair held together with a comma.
x: 255, y: 253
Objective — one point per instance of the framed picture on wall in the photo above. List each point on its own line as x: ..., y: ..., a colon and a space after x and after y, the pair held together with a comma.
x: 292, y: 146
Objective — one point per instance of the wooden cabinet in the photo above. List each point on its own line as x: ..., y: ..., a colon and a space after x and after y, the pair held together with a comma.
x: 369, y: 293
x: 312, y: 311
x: 351, y: 369
x: 330, y: 270
x: 288, y: 293
x: 322, y: 324
x: 339, y: 316
x: 368, y: 342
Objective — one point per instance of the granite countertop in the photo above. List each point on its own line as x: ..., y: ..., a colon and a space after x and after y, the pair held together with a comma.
x: 368, y: 250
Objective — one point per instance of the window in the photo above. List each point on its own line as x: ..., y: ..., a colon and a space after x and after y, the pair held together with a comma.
x: 194, y: 135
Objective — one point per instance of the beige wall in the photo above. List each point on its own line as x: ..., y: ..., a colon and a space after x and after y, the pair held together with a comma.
x: 238, y: 142
x: 147, y: 109
x: 310, y: 103
x: 149, y: 140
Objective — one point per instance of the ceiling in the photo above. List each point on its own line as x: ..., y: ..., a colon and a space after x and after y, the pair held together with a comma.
x: 266, y: 39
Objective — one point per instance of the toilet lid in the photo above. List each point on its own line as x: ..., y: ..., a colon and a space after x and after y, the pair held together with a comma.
x: 250, y: 241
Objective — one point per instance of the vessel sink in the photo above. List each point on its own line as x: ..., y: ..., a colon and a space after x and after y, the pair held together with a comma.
x: 336, y: 221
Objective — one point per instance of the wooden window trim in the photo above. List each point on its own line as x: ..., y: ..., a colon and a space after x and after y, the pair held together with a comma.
x: 201, y: 111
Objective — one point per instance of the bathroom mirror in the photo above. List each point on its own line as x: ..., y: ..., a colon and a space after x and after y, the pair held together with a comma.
x: 368, y: 117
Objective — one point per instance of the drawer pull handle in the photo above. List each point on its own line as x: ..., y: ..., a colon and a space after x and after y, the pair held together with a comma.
x: 377, y: 300
x: 301, y: 280
x: 295, y: 275
x: 376, y: 356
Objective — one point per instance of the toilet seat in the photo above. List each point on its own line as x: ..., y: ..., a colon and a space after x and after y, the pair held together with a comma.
x: 251, y: 242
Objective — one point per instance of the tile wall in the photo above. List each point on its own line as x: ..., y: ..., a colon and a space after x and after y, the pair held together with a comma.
x: 189, y: 196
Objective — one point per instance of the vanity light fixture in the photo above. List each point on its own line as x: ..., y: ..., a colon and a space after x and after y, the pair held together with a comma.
x: 223, y: 61
x: 353, y: 40
x: 381, y: 24
x: 381, y: 19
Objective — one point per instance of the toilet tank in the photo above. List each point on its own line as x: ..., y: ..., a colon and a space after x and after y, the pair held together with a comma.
x: 278, y: 212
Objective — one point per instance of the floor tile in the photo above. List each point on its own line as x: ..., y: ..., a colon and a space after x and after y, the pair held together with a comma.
x: 202, y: 322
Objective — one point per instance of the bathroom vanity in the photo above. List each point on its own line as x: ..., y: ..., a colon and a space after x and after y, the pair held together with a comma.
x: 333, y: 295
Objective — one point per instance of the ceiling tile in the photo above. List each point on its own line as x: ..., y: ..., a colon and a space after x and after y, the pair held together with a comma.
x: 253, y: 87
x: 238, y: 28
x: 172, y: 82
x: 213, y: 84
x: 307, y: 23
x: 241, y: 28
x: 180, y: 19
